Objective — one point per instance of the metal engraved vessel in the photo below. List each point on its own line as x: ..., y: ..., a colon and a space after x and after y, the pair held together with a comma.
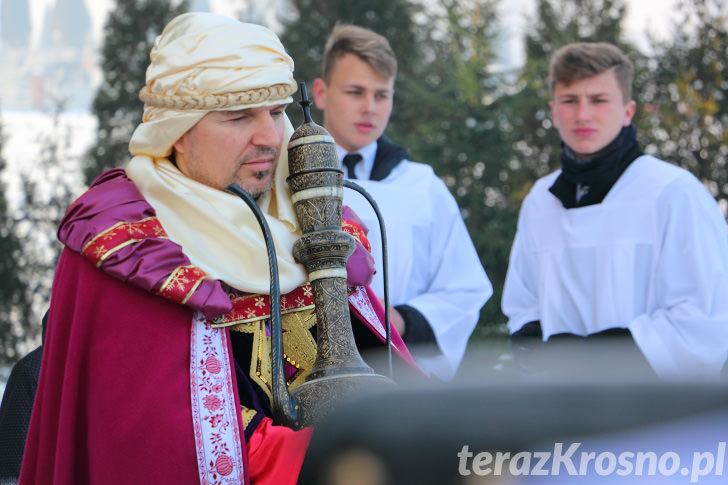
x: 316, y: 186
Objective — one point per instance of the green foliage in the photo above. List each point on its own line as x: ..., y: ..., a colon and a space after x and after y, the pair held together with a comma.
x: 29, y: 249
x: 455, y: 118
x: 47, y: 198
x: 14, y: 299
x: 128, y: 38
x: 685, y: 112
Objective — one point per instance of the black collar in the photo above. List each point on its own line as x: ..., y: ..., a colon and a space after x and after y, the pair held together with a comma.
x: 387, y: 157
x: 598, y: 175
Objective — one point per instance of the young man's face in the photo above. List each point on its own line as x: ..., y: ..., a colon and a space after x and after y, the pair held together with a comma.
x: 356, y: 102
x: 227, y: 147
x: 590, y: 113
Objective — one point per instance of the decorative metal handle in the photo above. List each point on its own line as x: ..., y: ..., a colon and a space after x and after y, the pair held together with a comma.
x: 285, y: 409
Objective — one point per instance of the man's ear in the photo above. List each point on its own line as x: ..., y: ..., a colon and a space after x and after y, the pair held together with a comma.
x: 551, y: 114
x: 319, y: 93
x: 629, y: 112
x: 178, y: 146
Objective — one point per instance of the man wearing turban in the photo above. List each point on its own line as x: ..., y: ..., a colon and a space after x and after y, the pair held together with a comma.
x: 155, y: 366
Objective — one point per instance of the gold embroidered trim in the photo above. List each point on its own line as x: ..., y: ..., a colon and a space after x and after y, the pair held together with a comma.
x: 251, y: 308
x: 182, y: 283
x: 119, y: 236
x: 354, y: 229
x: 247, y: 415
x: 299, y: 348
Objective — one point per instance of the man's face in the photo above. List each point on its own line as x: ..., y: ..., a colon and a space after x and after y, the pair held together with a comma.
x: 356, y: 102
x: 590, y: 113
x: 239, y: 147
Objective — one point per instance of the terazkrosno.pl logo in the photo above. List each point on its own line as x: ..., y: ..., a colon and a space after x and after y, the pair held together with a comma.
x: 567, y: 459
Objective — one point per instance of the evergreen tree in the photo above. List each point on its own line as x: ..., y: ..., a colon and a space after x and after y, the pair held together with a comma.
x: 14, y: 302
x: 48, y: 191
x: 459, y: 123
x: 686, y: 106
x: 128, y: 37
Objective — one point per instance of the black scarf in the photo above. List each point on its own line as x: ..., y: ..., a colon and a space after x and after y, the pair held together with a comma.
x: 388, y: 156
x: 597, y: 175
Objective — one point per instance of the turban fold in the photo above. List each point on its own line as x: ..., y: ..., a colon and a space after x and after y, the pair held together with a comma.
x: 203, y: 62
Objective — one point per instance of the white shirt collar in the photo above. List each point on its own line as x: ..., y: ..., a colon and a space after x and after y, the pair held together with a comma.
x: 364, y: 168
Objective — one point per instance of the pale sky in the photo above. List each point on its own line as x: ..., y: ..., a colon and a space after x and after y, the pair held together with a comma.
x: 98, y: 10
x: 643, y: 15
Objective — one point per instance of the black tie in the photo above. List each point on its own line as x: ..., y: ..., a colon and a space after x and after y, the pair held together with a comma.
x: 350, y: 161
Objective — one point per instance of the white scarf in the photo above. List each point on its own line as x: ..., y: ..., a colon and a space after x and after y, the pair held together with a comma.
x: 198, y: 57
x: 217, y: 230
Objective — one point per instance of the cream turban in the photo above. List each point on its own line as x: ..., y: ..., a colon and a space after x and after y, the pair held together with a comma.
x: 205, y: 62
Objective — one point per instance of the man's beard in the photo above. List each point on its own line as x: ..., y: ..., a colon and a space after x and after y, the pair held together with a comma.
x: 255, y: 194
x: 253, y: 189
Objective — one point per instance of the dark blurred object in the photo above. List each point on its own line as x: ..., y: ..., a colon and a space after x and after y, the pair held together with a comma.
x: 15, y: 411
x: 413, y: 434
x: 611, y: 354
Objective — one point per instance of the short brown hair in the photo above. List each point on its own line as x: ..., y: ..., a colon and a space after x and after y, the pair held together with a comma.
x: 369, y: 46
x: 578, y: 61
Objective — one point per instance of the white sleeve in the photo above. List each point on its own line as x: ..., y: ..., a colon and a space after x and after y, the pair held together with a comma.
x: 520, y: 295
x: 458, y: 285
x: 687, y: 336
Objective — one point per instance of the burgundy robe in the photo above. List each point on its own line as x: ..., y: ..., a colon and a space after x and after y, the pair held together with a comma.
x: 114, y: 398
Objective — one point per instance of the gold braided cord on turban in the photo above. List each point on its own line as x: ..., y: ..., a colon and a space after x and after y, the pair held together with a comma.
x: 280, y: 92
